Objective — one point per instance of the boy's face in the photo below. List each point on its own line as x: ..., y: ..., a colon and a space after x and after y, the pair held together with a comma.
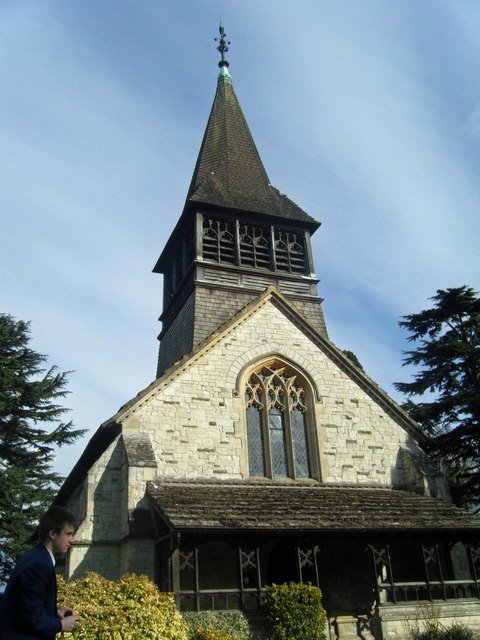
x: 61, y: 542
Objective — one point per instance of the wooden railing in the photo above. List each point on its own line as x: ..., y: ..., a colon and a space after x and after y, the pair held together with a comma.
x: 249, y: 599
x: 220, y: 600
x: 428, y: 591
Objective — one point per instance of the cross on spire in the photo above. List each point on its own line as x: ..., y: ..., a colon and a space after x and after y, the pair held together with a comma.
x: 222, y: 46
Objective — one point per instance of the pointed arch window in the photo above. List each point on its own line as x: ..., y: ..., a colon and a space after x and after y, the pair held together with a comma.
x: 289, y: 251
x: 219, y: 240
x: 255, y: 250
x: 254, y: 246
x: 279, y: 427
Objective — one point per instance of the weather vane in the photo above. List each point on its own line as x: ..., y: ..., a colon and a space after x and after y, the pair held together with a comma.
x: 222, y: 46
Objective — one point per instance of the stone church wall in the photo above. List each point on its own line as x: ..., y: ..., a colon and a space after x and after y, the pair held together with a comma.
x: 102, y: 504
x: 99, y: 557
x: 138, y: 556
x: 194, y: 424
x: 399, y: 620
x: 104, y: 491
x: 196, y: 421
x: 100, y: 524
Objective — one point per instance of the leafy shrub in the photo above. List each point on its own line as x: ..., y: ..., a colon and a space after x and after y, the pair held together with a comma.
x: 231, y: 625
x: 459, y: 632
x: 436, y: 631
x: 293, y: 611
x: 212, y: 634
x: 131, y: 608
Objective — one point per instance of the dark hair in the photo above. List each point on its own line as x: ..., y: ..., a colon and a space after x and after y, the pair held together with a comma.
x: 54, y: 520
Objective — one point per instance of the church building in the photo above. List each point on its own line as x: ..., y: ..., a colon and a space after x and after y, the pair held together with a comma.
x: 261, y: 454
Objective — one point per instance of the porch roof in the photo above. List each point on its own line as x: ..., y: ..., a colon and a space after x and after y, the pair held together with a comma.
x: 223, y: 506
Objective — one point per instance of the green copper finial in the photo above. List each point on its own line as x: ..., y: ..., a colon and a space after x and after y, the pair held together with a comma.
x: 223, y: 48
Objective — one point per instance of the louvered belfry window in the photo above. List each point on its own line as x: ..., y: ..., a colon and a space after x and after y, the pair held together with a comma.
x: 277, y: 415
x: 252, y: 245
x: 219, y: 240
x: 255, y: 246
x: 289, y: 251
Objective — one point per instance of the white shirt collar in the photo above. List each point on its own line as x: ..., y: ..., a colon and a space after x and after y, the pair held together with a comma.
x: 51, y: 555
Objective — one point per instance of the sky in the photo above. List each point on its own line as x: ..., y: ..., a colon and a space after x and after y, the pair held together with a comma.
x: 366, y: 114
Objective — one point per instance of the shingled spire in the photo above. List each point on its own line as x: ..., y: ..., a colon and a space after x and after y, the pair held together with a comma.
x: 236, y: 236
x: 229, y: 171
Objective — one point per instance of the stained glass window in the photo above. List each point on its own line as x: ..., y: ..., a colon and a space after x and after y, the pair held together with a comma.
x: 255, y: 442
x: 277, y: 426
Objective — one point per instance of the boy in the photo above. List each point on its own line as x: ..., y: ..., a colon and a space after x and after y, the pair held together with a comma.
x: 28, y: 609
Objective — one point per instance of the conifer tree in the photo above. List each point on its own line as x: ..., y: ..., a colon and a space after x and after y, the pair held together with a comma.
x: 448, y: 381
x: 31, y: 428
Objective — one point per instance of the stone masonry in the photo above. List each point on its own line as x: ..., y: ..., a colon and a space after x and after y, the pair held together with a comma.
x: 194, y: 420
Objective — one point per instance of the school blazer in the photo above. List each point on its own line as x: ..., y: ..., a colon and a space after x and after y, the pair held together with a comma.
x: 28, y: 609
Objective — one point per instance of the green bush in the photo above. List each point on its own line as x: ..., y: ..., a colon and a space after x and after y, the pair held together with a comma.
x: 293, y: 611
x: 211, y: 634
x: 228, y: 625
x: 459, y: 632
x: 436, y: 631
x: 131, y: 608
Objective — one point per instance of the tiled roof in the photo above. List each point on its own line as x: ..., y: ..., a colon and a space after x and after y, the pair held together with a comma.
x: 251, y: 506
x: 229, y: 172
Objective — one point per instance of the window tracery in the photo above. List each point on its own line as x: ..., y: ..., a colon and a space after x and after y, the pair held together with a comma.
x: 277, y: 423
x: 253, y: 245
x: 219, y: 240
x: 289, y: 251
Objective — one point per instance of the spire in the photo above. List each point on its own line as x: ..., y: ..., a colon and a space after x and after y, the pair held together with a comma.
x: 237, y: 234
x: 229, y: 172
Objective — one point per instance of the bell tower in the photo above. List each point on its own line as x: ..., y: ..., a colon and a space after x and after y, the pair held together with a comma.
x: 236, y: 236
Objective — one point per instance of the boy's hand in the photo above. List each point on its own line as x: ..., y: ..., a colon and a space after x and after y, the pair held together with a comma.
x: 69, y: 622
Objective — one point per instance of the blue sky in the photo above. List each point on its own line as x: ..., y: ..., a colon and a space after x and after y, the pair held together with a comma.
x: 366, y: 114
